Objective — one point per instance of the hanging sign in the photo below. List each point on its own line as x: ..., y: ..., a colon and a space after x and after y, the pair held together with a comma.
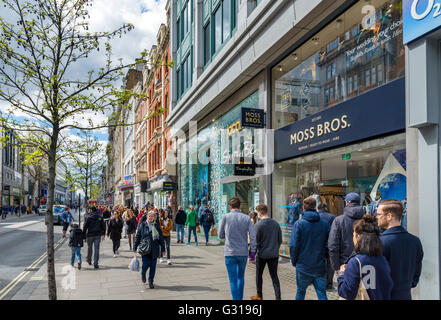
x: 253, y: 118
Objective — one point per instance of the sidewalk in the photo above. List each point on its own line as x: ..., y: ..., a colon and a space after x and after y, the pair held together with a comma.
x: 197, y: 273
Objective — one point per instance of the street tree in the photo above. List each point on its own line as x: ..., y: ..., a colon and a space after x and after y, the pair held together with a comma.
x: 87, y: 163
x: 43, y: 45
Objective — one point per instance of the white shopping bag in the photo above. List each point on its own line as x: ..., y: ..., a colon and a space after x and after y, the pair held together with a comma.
x: 134, y: 264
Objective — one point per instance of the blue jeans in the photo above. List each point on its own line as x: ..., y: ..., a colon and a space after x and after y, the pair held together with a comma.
x: 148, y: 262
x: 190, y: 229
x: 180, y: 231
x: 207, y: 232
x: 303, y: 281
x: 75, y: 251
x: 236, y: 273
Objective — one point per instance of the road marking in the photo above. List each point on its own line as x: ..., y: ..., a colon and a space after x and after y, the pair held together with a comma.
x: 36, y: 278
x: 11, y: 285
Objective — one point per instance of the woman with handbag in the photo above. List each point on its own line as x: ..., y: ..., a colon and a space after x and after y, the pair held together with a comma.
x: 207, y: 220
x: 166, y: 224
x: 149, y: 243
x: 114, y: 232
x: 367, y: 274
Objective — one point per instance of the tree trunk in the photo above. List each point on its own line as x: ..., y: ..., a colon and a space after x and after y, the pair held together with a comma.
x: 52, y: 284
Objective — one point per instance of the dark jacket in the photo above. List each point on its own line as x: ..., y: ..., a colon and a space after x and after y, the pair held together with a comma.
x: 115, y: 229
x: 349, y: 282
x: 107, y: 214
x: 94, y: 225
x: 268, y: 238
x: 143, y: 231
x: 203, y: 219
x: 307, y: 245
x: 181, y: 217
x: 329, y: 217
x: 340, y: 243
x: 76, y: 238
x: 132, y: 224
x: 405, y: 254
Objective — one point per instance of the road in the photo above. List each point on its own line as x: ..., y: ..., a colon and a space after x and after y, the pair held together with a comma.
x: 22, y: 242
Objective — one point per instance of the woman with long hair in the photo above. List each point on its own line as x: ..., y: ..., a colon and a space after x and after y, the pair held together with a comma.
x: 114, y: 231
x: 367, y: 270
x: 131, y: 224
x: 166, y: 224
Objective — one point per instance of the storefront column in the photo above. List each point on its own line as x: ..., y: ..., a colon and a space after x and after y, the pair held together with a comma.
x: 423, y: 118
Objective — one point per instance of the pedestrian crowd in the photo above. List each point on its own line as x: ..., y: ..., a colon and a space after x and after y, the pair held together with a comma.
x: 369, y: 257
x: 17, y: 210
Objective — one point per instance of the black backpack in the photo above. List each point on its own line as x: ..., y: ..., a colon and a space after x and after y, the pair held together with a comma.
x: 210, y: 218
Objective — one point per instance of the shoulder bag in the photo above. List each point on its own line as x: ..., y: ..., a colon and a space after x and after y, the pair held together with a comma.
x: 145, y: 246
x: 362, y: 293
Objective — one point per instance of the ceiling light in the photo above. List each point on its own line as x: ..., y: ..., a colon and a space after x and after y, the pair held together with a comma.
x: 294, y: 56
x: 339, y: 23
x: 280, y: 68
x: 315, y: 41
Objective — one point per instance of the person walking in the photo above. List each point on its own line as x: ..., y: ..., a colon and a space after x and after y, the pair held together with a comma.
x: 207, y: 221
x: 166, y: 224
x: 107, y: 214
x: 402, y: 250
x: 94, y: 228
x: 340, y: 244
x: 307, y: 249
x: 367, y: 258
x: 191, y: 223
x: 131, y: 224
x: 180, y: 219
x: 66, y: 218
x: 2, y: 210
x: 76, y: 242
x: 150, y: 229
x: 325, y: 215
x: 114, y: 232
x: 235, y: 228
x: 268, y: 242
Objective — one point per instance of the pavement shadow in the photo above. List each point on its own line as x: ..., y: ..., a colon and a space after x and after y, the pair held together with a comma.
x: 185, y: 257
x: 185, y: 288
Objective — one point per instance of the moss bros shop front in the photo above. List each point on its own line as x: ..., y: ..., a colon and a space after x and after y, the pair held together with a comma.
x: 338, y: 110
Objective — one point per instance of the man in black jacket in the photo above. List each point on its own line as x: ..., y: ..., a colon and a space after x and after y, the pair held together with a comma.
x: 340, y: 241
x: 94, y: 228
x: 181, y: 218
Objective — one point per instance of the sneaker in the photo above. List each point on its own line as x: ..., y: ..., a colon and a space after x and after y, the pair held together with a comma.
x: 187, y: 243
x: 96, y: 266
x: 72, y: 264
x: 143, y: 278
x: 256, y: 297
x: 196, y: 244
x: 151, y: 286
x: 89, y: 262
x: 115, y: 255
x: 161, y: 260
x: 169, y: 262
x: 206, y: 243
x: 79, y: 265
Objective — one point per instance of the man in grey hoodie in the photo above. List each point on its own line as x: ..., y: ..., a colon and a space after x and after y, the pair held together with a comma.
x: 268, y: 241
x: 235, y: 228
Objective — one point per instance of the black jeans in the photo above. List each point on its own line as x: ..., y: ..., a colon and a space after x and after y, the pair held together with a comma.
x: 116, y: 244
x: 330, y: 275
x: 272, y: 266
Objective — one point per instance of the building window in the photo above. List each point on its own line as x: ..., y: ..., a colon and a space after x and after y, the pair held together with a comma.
x: 226, y: 19
x: 207, y: 43
x: 218, y: 29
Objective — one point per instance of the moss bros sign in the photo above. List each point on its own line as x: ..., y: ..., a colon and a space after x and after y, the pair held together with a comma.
x: 252, y: 118
x: 377, y: 112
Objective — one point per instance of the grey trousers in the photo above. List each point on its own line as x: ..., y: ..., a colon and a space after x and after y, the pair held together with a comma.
x: 95, y: 243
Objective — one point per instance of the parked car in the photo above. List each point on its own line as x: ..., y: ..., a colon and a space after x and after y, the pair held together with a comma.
x: 57, y: 211
x: 42, y: 210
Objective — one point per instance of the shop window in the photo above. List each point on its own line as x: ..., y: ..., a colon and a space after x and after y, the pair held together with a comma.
x: 351, y: 61
x: 374, y: 169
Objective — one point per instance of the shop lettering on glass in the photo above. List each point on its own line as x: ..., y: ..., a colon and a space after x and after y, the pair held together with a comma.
x: 320, y: 130
x: 374, y: 20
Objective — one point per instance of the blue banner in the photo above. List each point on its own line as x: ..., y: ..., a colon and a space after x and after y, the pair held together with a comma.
x: 419, y: 18
x: 377, y: 112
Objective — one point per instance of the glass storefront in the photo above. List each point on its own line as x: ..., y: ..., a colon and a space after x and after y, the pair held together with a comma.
x: 206, y: 172
x: 375, y: 169
x: 357, y: 52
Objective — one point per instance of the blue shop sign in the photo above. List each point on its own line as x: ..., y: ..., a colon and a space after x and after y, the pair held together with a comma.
x: 377, y: 112
x: 420, y: 17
